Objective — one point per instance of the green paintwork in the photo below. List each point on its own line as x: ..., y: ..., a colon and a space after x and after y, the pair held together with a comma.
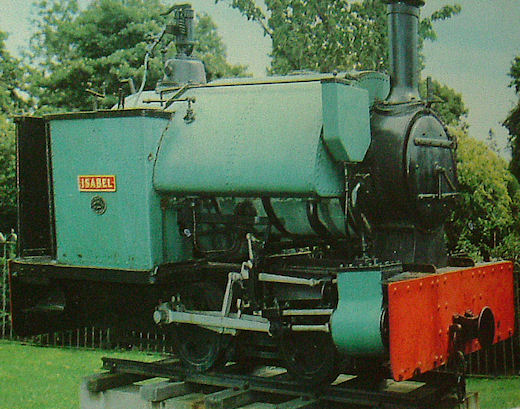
x: 129, y: 234
x: 249, y: 140
x: 356, y: 322
x: 376, y: 83
x: 346, y: 121
x: 293, y: 212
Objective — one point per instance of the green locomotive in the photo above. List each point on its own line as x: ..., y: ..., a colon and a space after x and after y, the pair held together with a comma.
x: 295, y: 220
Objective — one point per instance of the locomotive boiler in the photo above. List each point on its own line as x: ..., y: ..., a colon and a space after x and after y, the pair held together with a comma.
x: 294, y: 219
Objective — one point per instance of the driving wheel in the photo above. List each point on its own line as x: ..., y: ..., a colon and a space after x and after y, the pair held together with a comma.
x: 198, y: 348
x: 310, y: 357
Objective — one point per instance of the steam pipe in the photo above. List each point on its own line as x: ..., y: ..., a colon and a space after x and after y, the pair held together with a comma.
x: 403, y: 25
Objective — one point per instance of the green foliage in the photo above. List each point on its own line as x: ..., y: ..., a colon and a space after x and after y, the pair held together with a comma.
x: 485, y: 222
x: 426, y: 30
x: 321, y: 36
x: 333, y: 35
x: 514, y: 73
x: 11, y: 78
x: 449, y: 104
x: 7, y: 175
x: 90, y: 49
x: 11, y: 82
x: 103, y: 44
x: 512, y: 122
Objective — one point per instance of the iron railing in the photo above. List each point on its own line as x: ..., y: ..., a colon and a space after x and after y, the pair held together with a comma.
x: 7, y: 251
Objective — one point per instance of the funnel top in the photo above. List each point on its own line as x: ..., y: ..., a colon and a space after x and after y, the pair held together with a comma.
x: 416, y: 3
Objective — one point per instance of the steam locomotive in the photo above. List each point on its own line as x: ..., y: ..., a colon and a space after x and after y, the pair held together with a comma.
x: 293, y: 219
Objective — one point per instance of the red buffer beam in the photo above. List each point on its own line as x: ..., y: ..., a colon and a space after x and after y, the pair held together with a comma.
x: 422, y: 312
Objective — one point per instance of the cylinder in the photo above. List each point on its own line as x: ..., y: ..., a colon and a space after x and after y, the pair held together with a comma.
x: 403, y: 23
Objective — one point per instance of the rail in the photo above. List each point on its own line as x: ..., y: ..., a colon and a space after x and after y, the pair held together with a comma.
x: 265, y: 387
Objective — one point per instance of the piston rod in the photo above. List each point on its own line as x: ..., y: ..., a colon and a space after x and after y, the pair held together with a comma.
x: 215, y: 321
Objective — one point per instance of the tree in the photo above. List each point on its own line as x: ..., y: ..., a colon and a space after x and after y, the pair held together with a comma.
x: 491, y: 141
x: 512, y: 122
x: 485, y: 221
x: 514, y: 73
x: 7, y: 176
x: 11, y: 78
x: 449, y: 104
x: 97, y: 47
x: 329, y: 35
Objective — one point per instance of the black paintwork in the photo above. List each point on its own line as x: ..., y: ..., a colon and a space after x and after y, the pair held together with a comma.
x: 112, y: 113
x: 35, y: 210
x: 406, y: 226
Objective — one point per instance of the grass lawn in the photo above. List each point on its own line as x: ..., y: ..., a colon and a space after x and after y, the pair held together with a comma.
x: 48, y: 378
x: 500, y: 393
x: 34, y: 377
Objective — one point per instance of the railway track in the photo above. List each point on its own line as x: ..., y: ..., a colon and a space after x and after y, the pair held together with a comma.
x: 264, y: 388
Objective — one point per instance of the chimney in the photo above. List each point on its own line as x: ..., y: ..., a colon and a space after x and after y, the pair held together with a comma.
x: 403, y: 25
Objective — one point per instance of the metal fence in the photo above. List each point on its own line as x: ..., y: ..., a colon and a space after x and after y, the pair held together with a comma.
x: 500, y: 359
x: 7, y: 250
x: 104, y: 338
